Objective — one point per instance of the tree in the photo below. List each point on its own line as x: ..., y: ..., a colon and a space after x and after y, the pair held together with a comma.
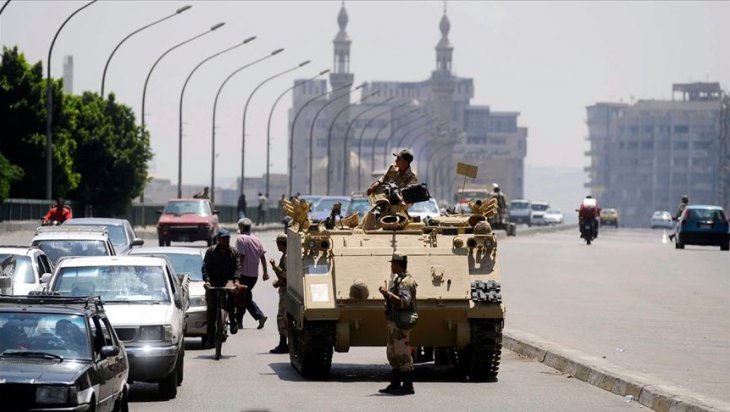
x: 111, y: 152
x: 23, y: 120
x: 8, y: 174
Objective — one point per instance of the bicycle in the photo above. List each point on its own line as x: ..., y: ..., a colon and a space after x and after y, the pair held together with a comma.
x: 221, y: 332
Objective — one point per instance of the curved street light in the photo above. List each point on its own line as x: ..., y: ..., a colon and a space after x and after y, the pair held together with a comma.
x: 392, y: 133
x: 314, y: 121
x: 362, y: 133
x: 215, y: 105
x: 291, y: 138
x: 245, y: 109
x: 147, y: 80
x: 429, y: 127
x: 268, y: 124
x: 329, y: 135
x: 49, y: 104
x: 106, y: 66
x: 347, y: 151
x: 3, y: 7
x: 180, y: 113
x: 377, y: 135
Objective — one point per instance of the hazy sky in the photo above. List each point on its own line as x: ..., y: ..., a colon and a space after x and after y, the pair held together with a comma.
x: 547, y: 60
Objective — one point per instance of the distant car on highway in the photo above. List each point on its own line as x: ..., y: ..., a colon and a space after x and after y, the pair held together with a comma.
x: 538, y: 211
x: 553, y: 217
x: 426, y: 209
x: 120, y: 231
x: 60, y: 241
x: 520, y: 212
x: 26, y: 265
x: 609, y: 216
x: 187, y: 220
x: 661, y: 218
x: 703, y: 225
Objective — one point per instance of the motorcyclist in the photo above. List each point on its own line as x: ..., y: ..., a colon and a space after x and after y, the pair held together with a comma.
x: 58, y: 212
x: 680, y: 209
x: 589, y: 209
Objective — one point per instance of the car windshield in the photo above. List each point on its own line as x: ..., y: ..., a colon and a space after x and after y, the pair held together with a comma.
x: 44, y: 335
x: 706, y: 214
x: 608, y: 212
x: 659, y: 215
x: 426, y: 206
x: 114, y: 284
x: 325, y: 205
x: 361, y: 206
x: 116, y: 233
x: 187, y: 208
x: 539, y: 207
x: 552, y: 212
x: 55, y: 249
x: 187, y: 263
x: 519, y: 205
x: 21, y: 267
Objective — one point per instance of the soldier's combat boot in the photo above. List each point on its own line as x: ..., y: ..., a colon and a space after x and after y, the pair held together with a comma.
x: 394, y: 383
x: 407, y: 388
x: 282, y: 347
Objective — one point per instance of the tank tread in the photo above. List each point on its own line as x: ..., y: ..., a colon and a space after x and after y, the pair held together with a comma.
x: 480, y: 360
x: 310, y: 349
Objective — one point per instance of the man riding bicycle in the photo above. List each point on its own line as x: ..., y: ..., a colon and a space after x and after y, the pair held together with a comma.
x: 220, y: 265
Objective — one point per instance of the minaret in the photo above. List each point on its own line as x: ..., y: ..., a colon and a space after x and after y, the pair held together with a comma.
x: 339, y: 76
x: 444, y: 48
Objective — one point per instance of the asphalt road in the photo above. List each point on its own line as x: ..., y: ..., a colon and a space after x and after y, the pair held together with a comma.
x: 628, y: 297
x: 249, y: 378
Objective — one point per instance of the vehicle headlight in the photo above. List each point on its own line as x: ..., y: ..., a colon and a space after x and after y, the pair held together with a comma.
x: 197, y: 301
x: 52, y: 394
x: 151, y: 333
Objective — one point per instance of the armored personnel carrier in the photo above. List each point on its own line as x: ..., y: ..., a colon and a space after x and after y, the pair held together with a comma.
x: 333, y: 302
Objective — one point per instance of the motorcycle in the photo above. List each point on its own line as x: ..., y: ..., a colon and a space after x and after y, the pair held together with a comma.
x: 588, y: 230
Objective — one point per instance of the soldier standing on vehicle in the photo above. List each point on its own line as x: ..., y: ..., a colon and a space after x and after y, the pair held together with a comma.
x: 400, y: 174
x: 220, y: 265
x: 280, y: 283
x: 680, y: 209
x: 401, y: 314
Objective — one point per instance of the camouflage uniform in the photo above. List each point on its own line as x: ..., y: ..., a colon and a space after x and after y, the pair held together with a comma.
x: 398, y: 349
x: 281, y: 313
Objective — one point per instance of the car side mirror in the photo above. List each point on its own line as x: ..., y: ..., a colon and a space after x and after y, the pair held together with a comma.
x: 46, y: 277
x: 137, y: 242
x: 215, y: 212
x: 109, y: 351
x: 158, y: 211
x: 178, y: 300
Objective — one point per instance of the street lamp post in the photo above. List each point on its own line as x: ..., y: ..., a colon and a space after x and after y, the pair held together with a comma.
x: 329, y: 136
x: 387, y: 142
x: 2, y: 9
x: 146, y: 81
x: 429, y: 127
x: 245, y: 110
x: 49, y: 104
x: 377, y: 134
x: 291, y: 139
x: 106, y: 66
x: 347, y: 151
x: 362, y: 133
x: 180, y: 113
x: 311, y: 129
x: 268, y: 124
x: 215, y: 105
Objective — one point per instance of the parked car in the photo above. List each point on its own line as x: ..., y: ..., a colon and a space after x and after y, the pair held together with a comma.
x: 703, y: 225
x: 538, y: 212
x: 520, y: 211
x: 428, y: 209
x: 553, y: 217
x: 187, y: 220
x: 26, y: 265
x: 359, y: 204
x: 189, y: 261
x: 60, y: 354
x: 146, y: 304
x: 120, y: 231
x: 323, y: 207
x: 661, y: 218
x: 60, y: 241
x: 609, y: 216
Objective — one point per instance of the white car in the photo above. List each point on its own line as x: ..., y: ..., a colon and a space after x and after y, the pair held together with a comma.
x: 553, y: 217
x: 662, y: 218
x: 538, y: 212
x: 146, y: 304
x: 426, y: 209
x: 26, y: 265
x: 189, y: 261
x: 60, y: 241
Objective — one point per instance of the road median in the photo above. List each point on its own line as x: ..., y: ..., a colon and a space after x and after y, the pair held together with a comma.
x: 649, y: 391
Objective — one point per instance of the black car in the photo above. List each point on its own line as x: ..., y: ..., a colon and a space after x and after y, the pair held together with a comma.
x: 59, y: 353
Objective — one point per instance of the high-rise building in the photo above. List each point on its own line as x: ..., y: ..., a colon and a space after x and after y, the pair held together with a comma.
x: 432, y: 117
x: 68, y: 74
x: 646, y: 155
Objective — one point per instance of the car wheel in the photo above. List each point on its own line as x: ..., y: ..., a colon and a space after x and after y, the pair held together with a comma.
x: 726, y: 246
x: 122, y: 404
x: 167, y: 242
x: 161, y: 241
x: 167, y: 388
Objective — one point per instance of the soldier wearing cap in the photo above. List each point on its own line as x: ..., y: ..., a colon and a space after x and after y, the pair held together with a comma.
x: 400, y: 300
x: 399, y: 173
x: 220, y: 265
x: 280, y: 283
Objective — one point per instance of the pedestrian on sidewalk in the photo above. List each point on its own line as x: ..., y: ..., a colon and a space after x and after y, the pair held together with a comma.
x: 251, y: 253
x: 261, y: 218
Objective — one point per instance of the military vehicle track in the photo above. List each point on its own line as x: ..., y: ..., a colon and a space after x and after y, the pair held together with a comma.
x: 310, y: 349
x: 480, y: 360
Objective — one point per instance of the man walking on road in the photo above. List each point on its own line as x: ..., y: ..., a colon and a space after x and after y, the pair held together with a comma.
x: 263, y: 204
x: 251, y: 252
x: 280, y: 283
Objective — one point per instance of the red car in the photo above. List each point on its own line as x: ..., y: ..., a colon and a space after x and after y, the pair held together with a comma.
x: 187, y: 220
